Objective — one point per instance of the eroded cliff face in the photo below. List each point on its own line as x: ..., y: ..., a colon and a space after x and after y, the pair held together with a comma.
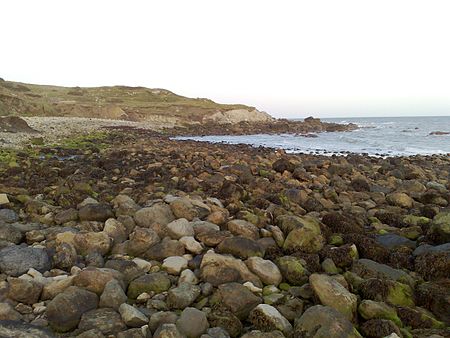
x: 238, y: 115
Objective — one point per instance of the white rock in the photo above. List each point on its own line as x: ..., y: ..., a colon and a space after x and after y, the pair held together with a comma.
x: 34, y: 273
x: 175, y: 264
x: 3, y: 199
x: 187, y: 276
x: 180, y: 228
x: 266, y: 270
x: 142, y: 264
x: 252, y: 288
x: 191, y: 244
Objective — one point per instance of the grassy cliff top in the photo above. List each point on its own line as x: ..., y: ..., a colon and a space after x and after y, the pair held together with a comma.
x: 116, y: 102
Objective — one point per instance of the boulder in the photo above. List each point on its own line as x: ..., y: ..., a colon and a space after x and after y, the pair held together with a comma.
x: 180, y: 228
x: 24, y: 291
x: 332, y: 293
x: 192, y: 322
x: 175, y: 264
x: 267, y: 318
x: 16, y: 260
x: 12, y: 328
x: 106, y: 320
x: 131, y: 316
x: 323, y: 321
x: 237, y: 298
x: 400, y: 199
x: 154, y: 282
x: 182, y: 296
x: 241, y: 247
x: 292, y: 270
x: 95, y: 212
x: 156, y: 214
x: 306, y: 237
x: 369, y: 309
x: 65, y: 310
x: 266, y: 270
x: 95, y: 279
x: 239, y: 227
x: 113, y: 295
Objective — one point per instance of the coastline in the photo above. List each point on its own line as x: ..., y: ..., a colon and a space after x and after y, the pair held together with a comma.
x: 198, y: 220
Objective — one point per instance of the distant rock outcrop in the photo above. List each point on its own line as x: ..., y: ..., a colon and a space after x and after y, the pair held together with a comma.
x: 15, y: 124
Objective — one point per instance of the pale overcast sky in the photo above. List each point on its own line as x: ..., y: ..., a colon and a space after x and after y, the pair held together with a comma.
x: 289, y: 58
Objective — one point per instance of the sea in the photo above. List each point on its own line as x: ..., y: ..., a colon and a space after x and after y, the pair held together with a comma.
x: 376, y: 136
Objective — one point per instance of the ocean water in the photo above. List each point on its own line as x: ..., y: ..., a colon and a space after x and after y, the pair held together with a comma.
x: 377, y: 136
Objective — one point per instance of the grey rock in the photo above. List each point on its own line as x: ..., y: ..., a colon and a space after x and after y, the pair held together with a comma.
x: 16, y: 329
x: 183, y: 295
x: 392, y: 241
x: 107, y: 320
x: 8, y: 216
x: 132, y: 316
x: 426, y: 248
x: 16, y: 260
x: 192, y: 322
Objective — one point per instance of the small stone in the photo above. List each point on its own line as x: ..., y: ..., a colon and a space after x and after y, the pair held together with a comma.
x: 191, y: 245
x: 266, y: 270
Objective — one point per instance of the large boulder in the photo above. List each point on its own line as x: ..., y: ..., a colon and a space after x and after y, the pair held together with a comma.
x: 16, y: 260
x: 65, y: 310
x: 323, y: 321
x: 154, y: 282
x: 237, y: 298
x: 218, y: 269
x: 331, y: 293
x: 267, y: 318
x: 156, y: 214
x: 306, y: 237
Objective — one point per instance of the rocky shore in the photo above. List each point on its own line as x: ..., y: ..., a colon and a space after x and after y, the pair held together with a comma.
x: 130, y: 234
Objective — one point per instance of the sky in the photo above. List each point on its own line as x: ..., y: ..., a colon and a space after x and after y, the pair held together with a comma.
x: 288, y: 58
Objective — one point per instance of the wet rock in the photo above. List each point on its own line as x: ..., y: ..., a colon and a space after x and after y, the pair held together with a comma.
x: 388, y: 291
x: 131, y: 316
x: 369, y: 309
x: 341, y: 223
x: 241, y: 247
x: 106, y: 320
x: 332, y: 293
x: 367, y: 268
x: 95, y: 212
x: 343, y: 256
x: 267, y: 318
x: 16, y: 260
x: 418, y: 318
x: 237, y: 298
x: 323, y: 321
x: 65, y: 310
x: 435, y: 297
x: 154, y: 282
x: 192, y: 322
x: 440, y: 228
x: 379, y: 328
x: 433, y: 265
x: 391, y: 241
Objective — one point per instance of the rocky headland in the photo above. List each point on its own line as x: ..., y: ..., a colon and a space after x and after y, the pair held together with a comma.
x: 123, y: 232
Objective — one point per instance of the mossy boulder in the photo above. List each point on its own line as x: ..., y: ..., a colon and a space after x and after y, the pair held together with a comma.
x: 388, y: 291
x: 440, y: 228
x: 369, y: 309
x: 154, y: 282
x: 292, y: 270
x: 307, y: 237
